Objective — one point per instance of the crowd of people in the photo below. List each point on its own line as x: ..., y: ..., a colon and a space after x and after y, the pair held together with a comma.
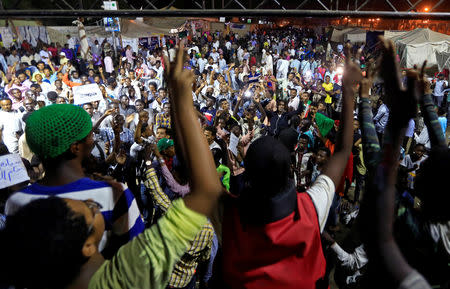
x: 270, y: 160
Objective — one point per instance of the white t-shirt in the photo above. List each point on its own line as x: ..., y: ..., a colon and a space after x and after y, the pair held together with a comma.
x: 46, y: 87
x: 44, y: 55
x: 322, y: 194
x: 172, y: 53
x: 409, y: 164
x: 294, y: 103
x: 214, y: 56
x: 9, y: 125
x: 283, y: 68
x: 72, y: 42
x: 109, y: 67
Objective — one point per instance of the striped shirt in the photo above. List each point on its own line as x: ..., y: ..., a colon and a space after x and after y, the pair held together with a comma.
x: 120, y: 210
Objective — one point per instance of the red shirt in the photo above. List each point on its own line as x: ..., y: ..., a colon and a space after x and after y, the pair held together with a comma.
x: 283, y: 254
x: 26, y: 46
x: 53, y: 50
x: 322, y: 71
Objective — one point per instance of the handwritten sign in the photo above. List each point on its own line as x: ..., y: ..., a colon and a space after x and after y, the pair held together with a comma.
x: 234, y: 140
x: 12, y: 171
x: 86, y: 93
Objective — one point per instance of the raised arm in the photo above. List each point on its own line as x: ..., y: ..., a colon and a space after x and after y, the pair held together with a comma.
x: 377, y: 212
x: 371, y: 145
x: 237, y: 106
x: 101, y: 119
x: 260, y: 108
x: 51, y: 65
x: 100, y: 70
x: 199, y: 89
x: 337, y: 163
x: 205, y: 183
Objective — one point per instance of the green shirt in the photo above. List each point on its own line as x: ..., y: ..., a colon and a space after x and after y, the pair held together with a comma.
x: 148, y: 260
x: 226, y: 176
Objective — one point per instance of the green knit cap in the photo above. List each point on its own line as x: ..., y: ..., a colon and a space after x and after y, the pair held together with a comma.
x: 52, y: 129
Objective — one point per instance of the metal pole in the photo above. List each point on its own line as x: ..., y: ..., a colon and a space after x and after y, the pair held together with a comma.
x: 63, y: 1
x: 93, y: 4
x: 261, y: 4
x: 437, y: 5
x: 239, y: 3
x: 392, y: 6
x: 414, y: 6
x: 362, y: 5
x: 128, y: 13
x: 279, y: 4
x: 323, y: 5
x: 150, y: 4
x: 302, y: 4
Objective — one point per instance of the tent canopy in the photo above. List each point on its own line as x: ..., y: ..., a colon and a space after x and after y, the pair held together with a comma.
x: 150, y: 26
x: 443, y: 60
x: 353, y: 34
x: 416, y: 46
x: 420, y: 36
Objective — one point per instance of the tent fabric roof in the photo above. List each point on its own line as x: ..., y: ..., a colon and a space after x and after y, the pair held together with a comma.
x: 443, y: 60
x: 339, y: 35
x: 419, y: 36
x: 136, y: 29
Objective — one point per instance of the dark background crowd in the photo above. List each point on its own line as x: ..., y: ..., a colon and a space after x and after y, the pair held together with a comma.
x: 259, y: 120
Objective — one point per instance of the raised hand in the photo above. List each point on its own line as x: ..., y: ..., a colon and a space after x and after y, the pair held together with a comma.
x: 352, y: 73
x: 402, y: 102
x: 366, y: 82
x: 179, y: 79
x: 108, y: 112
x: 389, y: 68
x: 205, y: 184
x: 423, y: 85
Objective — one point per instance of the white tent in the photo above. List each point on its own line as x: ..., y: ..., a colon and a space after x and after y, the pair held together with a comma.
x: 443, y: 60
x: 416, y: 46
x: 388, y: 34
x: 353, y: 34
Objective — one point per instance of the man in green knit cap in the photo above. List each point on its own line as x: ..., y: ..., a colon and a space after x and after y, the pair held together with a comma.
x: 61, y: 136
